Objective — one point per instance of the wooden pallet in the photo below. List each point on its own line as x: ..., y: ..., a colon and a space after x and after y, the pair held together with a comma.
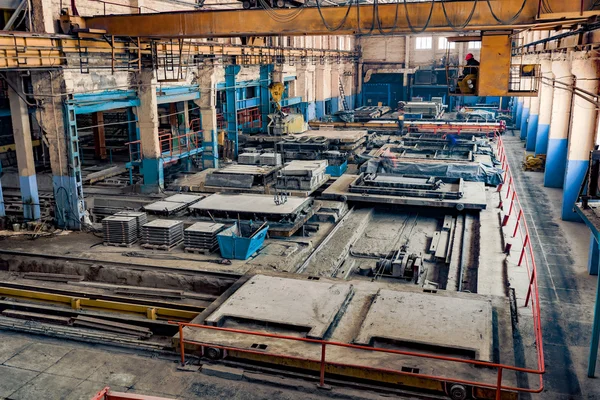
x: 120, y: 244
x: 205, y: 252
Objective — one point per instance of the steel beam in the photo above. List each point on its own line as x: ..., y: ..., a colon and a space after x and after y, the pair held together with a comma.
x: 310, y: 21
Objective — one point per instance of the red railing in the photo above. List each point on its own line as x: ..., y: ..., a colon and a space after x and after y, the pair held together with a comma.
x: 520, y: 232
x: 170, y: 146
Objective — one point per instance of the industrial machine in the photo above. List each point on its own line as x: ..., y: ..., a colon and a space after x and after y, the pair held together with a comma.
x: 401, y: 265
x: 497, y: 73
x: 282, y: 123
x: 533, y: 163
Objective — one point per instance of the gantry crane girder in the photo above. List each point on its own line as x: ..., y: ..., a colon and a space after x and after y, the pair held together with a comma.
x: 400, y: 17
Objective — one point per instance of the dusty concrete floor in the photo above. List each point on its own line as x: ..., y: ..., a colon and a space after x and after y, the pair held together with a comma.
x: 38, y: 367
x: 567, y: 291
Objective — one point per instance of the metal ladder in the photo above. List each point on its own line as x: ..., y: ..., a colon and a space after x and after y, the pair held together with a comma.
x: 343, y: 95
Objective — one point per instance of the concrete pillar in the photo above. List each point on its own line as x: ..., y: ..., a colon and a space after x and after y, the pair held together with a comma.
x: 147, y: 113
x: 582, y: 132
x: 43, y: 20
x: 231, y: 72
x: 532, y: 123
x: 208, y: 115
x: 594, y: 254
x: 556, y: 154
x: 524, y: 117
x: 320, y: 90
x: 68, y: 193
x: 546, y: 93
x: 335, y: 88
x: 19, y: 116
x: 302, y: 88
x: 519, y: 111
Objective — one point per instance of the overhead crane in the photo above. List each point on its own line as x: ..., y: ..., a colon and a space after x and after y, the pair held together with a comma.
x: 351, y: 19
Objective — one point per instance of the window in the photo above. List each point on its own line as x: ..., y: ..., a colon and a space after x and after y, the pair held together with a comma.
x: 423, y: 42
x: 443, y: 44
x: 474, y: 45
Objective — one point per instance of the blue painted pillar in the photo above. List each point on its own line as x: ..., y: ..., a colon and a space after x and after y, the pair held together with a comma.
x: 582, y: 133
x: 231, y: 114
x: 518, y: 111
x: 266, y: 107
x: 556, y: 153
x: 24, y: 148
x: 208, y: 117
x: 524, y: 117
x: 147, y: 113
x: 593, y: 258
x: 2, y: 208
x: 546, y: 97
x: 321, y: 89
x: 532, y: 123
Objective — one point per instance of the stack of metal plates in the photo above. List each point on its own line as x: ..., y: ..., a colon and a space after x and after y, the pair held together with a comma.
x: 162, y: 234
x: 140, y: 217
x: 202, y: 236
x: 120, y: 230
x: 270, y: 159
x: 249, y: 158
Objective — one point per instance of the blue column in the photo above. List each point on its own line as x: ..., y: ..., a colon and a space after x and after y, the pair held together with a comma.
x: 231, y: 114
x: 265, y: 97
x: 541, y: 139
x: 30, y: 197
x: 532, y: 127
x: 319, y: 108
x: 523, y: 125
x: 556, y: 163
x: 574, y: 175
x: 153, y: 172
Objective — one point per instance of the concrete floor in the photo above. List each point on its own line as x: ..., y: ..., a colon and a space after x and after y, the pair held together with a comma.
x: 31, y: 366
x: 566, y: 289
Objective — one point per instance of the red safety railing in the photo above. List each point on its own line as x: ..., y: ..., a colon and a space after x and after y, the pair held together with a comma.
x: 170, y: 146
x: 527, y: 257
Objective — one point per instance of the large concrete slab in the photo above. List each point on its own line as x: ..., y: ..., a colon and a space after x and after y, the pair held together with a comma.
x: 308, y: 305
x: 428, y: 321
x: 250, y: 203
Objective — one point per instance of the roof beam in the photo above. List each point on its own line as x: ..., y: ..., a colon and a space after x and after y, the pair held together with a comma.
x: 233, y: 23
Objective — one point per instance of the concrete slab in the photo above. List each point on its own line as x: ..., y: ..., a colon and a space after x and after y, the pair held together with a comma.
x: 426, y: 321
x: 38, y: 357
x: 75, y: 364
x: 11, y: 345
x: 224, y: 372
x: 474, y: 196
x: 250, y: 203
x: 309, y: 306
x: 43, y: 384
x: 13, y: 379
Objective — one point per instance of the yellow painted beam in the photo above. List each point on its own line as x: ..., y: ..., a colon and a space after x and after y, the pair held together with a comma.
x: 78, y: 303
x: 359, y: 20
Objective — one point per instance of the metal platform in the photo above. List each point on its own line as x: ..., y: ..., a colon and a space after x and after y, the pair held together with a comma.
x: 351, y: 188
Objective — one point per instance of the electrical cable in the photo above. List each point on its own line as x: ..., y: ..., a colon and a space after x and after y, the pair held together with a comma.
x: 420, y: 30
x: 358, y: 28
x: 342, y: 22
x: 510, y: 20
x: 467, y: 21
x: 394, y: 26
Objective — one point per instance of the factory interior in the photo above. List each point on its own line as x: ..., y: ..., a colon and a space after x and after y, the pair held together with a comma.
x: 299, y: 199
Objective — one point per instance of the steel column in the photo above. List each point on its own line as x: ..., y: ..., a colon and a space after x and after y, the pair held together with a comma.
x: 265, y: 97
x: 231, y: 115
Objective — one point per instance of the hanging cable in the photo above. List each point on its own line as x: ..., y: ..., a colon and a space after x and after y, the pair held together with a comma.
x: 394, y: 26
x: 512, y: 19
x: 342, y: 22
x: 467, y: 21
x: 410, y: 25
x: 358, y: 28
